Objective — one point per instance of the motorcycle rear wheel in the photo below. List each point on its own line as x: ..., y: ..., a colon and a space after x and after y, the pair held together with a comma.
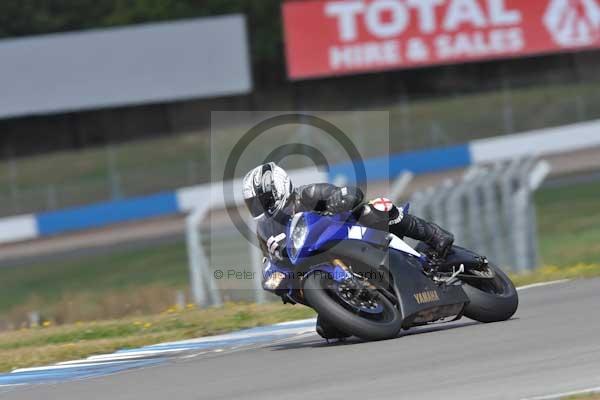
x: 491, y: 300
x: 319, y: 296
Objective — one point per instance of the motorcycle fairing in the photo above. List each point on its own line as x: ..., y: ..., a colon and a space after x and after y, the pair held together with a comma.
x: 324, y: 231
x: 421, y: 300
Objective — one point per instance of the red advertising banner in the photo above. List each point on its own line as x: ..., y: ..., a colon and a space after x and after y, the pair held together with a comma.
x: 337, y: 37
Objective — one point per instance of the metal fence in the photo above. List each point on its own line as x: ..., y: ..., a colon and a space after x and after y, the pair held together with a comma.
x: 490, y: 210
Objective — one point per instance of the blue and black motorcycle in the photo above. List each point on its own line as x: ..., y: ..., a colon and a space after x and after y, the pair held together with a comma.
x: 370, y: 284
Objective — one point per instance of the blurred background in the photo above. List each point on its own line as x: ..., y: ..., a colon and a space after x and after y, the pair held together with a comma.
x: 106, y: 139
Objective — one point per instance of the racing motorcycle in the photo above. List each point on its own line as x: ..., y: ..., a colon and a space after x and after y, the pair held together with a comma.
x: 370, y: 283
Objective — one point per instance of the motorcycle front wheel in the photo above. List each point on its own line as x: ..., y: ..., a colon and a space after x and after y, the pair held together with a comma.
x: 320, y: 294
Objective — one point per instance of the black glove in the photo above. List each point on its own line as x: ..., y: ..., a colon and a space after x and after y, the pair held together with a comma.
x: 343, y: 199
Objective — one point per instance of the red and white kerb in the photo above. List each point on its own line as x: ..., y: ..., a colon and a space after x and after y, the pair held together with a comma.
x: 382, y: 204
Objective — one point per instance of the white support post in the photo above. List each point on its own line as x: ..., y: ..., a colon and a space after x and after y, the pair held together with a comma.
x: 198, y: 263
x: 196, y: 257
x: 534, y: 179
x: 521, y: 230
x: 528, y: 213
x: 455, y: 207
x: 491, y: 213
x: 400, y: 184
x: 257, y: 267
x: 417, y: 203
x: 438, y: 211
x: 509, y: 208
x: 475, y: 212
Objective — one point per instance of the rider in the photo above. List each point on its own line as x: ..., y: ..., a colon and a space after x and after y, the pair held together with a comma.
x: 272, y: 200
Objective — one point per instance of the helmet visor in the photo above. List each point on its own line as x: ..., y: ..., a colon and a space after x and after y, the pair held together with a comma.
x: 258, y: 205
x: 256, y: 209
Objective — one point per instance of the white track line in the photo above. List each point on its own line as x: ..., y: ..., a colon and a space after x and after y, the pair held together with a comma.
x: 540, y: 284
x: 566, y: 394
x: 55, y: 367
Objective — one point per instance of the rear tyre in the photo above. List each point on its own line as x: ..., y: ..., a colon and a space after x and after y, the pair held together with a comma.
x: 491, y: 300
x: 318, y: 294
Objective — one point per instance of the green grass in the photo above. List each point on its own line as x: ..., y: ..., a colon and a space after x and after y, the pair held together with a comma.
x: 552, y: 273
x: 50, y: 344
x: 569, y: 224
x: 586, y: 396
x: 143, y: 280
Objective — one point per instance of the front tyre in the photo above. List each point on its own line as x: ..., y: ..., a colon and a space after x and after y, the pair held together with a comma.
x: 491, y: 300
x: 319, y: 295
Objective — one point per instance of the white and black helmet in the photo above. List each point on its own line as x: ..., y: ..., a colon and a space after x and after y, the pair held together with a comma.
x: 267, y: 189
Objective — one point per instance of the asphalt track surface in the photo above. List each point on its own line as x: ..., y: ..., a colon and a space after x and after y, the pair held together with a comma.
x: 552, y: 345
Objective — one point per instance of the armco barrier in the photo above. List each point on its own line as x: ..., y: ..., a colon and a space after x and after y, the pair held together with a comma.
x: 102, y: 214
x: 537, y: 143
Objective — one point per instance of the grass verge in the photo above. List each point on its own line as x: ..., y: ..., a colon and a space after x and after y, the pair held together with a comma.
x: 552, y: 273
x: 587, y: 396
x: 49, y: 344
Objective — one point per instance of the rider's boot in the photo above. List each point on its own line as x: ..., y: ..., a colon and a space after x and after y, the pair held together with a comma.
x: 431, y: 234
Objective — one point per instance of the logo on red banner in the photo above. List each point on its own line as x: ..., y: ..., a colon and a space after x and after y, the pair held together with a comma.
x: 352, y: 36
x: 573, y: 23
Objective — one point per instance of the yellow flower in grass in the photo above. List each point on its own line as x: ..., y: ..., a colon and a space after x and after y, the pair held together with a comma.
x: 46, y: 324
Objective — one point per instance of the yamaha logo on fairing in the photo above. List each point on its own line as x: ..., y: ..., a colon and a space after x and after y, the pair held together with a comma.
x: 429, y: 296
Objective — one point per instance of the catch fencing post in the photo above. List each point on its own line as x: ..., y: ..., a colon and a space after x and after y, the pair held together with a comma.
x: 198, y: 262
x: 475, y: 211
x: 256, y: 260
x: 400, y: 184
x: 531, y: 178
x: 454, y: 211
x: 523, y: 239
x: 195, y: 257
x: 539, y: 173
x: 417, y: 202
x: 438, y: 212
x: 455, y: 206
x: 507, y: 190
x: 491, y: 208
